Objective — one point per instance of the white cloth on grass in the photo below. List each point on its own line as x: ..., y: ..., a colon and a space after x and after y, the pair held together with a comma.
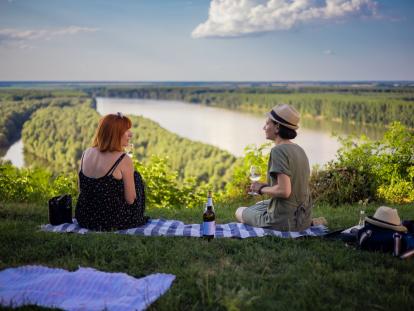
x: 83, y: 289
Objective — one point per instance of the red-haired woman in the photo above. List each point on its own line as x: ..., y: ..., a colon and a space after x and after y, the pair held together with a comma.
x: 111, y: 193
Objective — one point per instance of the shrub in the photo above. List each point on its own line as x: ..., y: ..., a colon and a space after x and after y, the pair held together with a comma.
x: 369, y: 170
x: 33, y: 185
x: 163, y: 188
x: 237, y: 187
x: 337, y: 185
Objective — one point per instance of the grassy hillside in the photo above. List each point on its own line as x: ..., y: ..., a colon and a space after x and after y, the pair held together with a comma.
x: 227, y: 274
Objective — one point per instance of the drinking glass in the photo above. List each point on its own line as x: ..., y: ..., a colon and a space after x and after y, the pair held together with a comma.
x: 130, y: 150
x: 254, y: 176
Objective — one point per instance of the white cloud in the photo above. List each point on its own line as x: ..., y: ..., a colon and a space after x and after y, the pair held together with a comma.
x: 234, y: 18
x: 20, y: 38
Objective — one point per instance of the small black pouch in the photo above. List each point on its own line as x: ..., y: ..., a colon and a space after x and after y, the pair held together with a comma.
x: 60, y: 210
x: 345, y: 235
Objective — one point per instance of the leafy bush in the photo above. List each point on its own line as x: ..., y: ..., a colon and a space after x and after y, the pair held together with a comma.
x: 369, y: 170
x: 395, y: 169
x: 240, y: 181
x: 33, y: 185
x: 399, y: 192
x: 164, y: 190
x: 337, y: 185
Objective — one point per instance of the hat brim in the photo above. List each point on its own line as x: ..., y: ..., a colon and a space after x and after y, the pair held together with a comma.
x: 292, y: 127
x: 385, y: 225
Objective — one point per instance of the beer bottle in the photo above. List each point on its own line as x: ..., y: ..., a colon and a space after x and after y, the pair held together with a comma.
x: 209, y: 219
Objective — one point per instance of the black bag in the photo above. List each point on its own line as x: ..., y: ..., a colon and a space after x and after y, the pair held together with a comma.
x: 374, y: 238
x: 60, y: 210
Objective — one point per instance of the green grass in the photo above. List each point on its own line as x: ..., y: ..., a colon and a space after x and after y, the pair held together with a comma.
x: 252, y: 274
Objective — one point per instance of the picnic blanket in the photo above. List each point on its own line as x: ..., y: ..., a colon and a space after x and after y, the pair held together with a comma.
x: 83, y: 289
x: 162, y: 227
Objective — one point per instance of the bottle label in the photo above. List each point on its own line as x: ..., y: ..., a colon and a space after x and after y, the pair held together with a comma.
x: 209, y: 201
x: 209, y: 227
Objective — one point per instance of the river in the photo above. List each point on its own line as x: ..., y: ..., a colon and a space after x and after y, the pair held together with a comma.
x: 226, y: 129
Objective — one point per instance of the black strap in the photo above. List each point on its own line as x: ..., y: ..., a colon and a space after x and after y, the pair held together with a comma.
x: 279, y: 118
x: 112, y: 169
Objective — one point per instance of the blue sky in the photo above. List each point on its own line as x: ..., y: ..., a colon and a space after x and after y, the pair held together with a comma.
x: 206, y: 40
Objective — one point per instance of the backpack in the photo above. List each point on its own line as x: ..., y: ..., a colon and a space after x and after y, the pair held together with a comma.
x: 374, y: 238
x: 60, y: 210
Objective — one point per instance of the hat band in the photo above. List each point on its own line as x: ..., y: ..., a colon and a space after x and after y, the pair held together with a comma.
x: 384, y: 222
x: 279, y: 119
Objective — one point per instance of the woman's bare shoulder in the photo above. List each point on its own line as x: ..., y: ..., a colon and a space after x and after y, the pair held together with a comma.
x: 89, y: 150
x: 126, y: 164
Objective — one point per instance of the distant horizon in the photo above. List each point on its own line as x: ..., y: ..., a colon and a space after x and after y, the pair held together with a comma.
x: 200, y: 81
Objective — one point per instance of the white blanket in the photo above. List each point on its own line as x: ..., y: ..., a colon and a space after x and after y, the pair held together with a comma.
x: 83, y: 289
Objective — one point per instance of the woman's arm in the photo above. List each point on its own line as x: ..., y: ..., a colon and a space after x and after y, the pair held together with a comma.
x: 80, y: 168
x: 128, y: 179
x: 282, y: 189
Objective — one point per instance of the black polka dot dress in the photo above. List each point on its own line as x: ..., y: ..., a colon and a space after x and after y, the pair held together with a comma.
x: 101, y: 203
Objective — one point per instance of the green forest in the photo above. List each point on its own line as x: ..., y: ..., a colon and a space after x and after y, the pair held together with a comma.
x: 17, y: 106
x: 56, y: 126
x: 364, y: 106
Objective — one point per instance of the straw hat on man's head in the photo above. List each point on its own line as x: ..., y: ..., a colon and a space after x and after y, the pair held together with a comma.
x: 386, y: 217
x: 285, y: 115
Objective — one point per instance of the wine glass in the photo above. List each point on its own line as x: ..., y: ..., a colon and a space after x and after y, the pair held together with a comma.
x: 130, y: 150
x: 254, y: 176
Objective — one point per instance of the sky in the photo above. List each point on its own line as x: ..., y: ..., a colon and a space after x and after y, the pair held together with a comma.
x: 206, y: 40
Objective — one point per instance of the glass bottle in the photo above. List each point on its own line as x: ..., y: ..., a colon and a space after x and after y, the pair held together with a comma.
x: 361, y: 218
x: 209, y: 219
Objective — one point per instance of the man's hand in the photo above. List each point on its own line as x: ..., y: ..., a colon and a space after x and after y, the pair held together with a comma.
x: 255, y: 186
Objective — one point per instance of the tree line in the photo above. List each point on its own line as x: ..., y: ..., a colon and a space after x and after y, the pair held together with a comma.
x: 363, y: 106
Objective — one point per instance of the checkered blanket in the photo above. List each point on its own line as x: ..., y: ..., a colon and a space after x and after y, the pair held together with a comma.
x: 162, y: 227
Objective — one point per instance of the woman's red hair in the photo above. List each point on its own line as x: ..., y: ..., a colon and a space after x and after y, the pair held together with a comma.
x: 109, y: 133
